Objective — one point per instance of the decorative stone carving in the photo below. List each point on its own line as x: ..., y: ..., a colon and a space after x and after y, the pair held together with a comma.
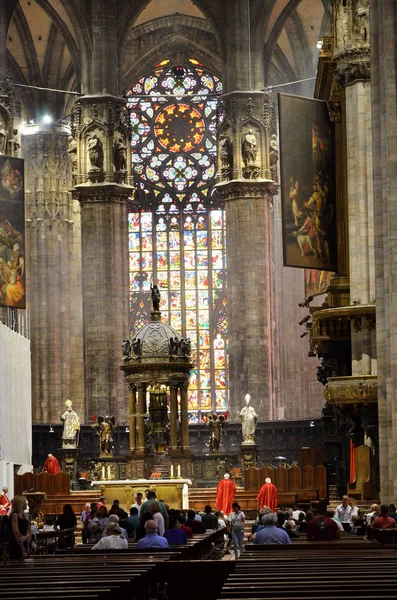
x: 351, y: 390
x: 120, y: 154
x: 3, y: 136
x: 351, y: 32
x: 249, y: 153
x: 226, y: 156
x: 249, y: 419
x: 353, y: 64
x: 72, y: 153
x: 274, y: 156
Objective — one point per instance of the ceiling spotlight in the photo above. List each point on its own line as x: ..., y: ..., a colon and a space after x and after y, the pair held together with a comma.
x: 319, y: 44
x: 47, y: 119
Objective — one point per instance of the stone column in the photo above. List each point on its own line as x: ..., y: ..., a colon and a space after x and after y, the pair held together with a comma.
x: 244, y: 183
x: 184, y: 418
x: 352, y: 58
x: 384, y: 120
x: 131, y: 415
x: 53, y: 274
x: 141, y: 419
x: 101, y: 140
x: 174, y: 416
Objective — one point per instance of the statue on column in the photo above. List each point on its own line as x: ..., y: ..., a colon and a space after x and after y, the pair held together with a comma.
x: 71, y: 426
x: 104, y: 430
x: 72, y: 152
x: 95, y: 152
x: 226, y: 156
x: 156, y: 297
x: 3, y: 137
x: 120, y: 154
x: 215, y: 425
x: 249, y: 419
x: 249, y: 152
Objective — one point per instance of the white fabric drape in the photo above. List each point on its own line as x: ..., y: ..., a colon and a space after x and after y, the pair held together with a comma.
x: 15, y: 398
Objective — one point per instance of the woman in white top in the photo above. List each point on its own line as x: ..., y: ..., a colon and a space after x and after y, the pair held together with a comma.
x: 237, y: 520
x: 114, y: 540
x: 157, y: 517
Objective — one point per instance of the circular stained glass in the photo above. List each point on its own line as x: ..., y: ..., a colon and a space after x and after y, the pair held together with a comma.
x: 179, y: 128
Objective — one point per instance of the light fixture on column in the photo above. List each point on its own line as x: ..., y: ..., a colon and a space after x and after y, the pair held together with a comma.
x: 319, y: 44
x: 51, y: 429
x: 47, y: 119
x: 127, y: 429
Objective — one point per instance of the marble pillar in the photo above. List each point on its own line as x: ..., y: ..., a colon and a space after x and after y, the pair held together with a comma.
x: 244, y: 184
x: 53, y: 274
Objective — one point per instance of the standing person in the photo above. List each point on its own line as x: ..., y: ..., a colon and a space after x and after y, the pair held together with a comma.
x: 157, y: 517
x: 225, y: 494
x: 20, y: 527
x: 83, y: 518
x: 138, y: 502
x: 267, y: 495
x: 67, y: 524
x: 51, y: 465
x: 132, y: 522
x: 5, y: 502
x: 146, y: 507
x: 343, y: 513
x: 354, y: 512
x: 237, y: 521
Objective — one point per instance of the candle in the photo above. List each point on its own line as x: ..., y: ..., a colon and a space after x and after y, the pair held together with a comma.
x: 103, y: 472
x: 172, y: 471
x: 179, y: 470
x: 108, y: 472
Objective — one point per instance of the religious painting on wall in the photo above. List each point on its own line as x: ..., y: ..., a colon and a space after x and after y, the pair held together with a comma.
x: 308, y: 184
x: 316, y: 282
x: 12, y: 233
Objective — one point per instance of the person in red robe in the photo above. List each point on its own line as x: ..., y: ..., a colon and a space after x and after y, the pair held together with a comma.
x: 225, y: 494
x: 5, y: 502
x: 267, y: 495
x: 51, y: 465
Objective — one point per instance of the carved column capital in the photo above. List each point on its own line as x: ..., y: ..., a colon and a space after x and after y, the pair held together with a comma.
x: 239, y: 188
x: 352, y: 64
x: 102, y: 193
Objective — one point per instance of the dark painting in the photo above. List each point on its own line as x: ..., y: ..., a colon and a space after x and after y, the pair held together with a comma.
x: 316, y: 282
x: 12, y: 233
x: 307, y: 183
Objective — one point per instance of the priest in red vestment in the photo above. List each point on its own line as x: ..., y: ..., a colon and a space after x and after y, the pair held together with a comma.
x: 51, y: 465
x: 225, y: 494
x: 5, y: 502
x: 267, y: 495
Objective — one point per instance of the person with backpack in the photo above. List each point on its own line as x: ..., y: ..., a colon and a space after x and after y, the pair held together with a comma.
x: 322, y: 528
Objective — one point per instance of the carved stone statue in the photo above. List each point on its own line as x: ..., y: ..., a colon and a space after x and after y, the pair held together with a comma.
x: 136, y: 346
x: 104, y: 430
x: 249, y: 419
x: 215, y: 425
x: 361, y: 21
x: 249, y: 148
x: 3, y: 137
x: 120, y: 154
x: 225, y: 151
x: 155, y: 298
x: 273, y: 156
x: 174, y: 346
x: 71, y: 426
x: 126, y: 348
x: 72, y: 152
x: 95, y: 152
x: 185, y: 346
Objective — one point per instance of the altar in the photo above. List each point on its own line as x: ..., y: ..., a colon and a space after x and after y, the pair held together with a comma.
x: 174, y: 492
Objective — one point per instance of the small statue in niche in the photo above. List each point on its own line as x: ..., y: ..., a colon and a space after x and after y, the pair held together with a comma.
x: 156, y: 297
x: 361, y: 21
x: 273, y: 156
x: 249, y: 148
x: 126, y: 349
x: 72, y: 153
x: 95, y: 152
x: 216, y: 425
x: 104, y: 430
x: 225, y: 151
x: 71, y: 426
x: 3, y: 137
x: 120, y: 154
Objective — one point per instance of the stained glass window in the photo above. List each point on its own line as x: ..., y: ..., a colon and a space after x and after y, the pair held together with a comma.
x: 177, y: 234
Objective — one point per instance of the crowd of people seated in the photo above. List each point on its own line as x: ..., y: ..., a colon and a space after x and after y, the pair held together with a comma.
x: 152, y: 523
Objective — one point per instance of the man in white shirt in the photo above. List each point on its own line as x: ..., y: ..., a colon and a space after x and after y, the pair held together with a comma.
x: 343, y: 512
x: 138, y: 502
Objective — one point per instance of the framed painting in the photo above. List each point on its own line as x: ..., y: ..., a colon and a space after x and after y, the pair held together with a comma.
x: 12, y: 233
x: 316, y: 282
x: 308, y: 195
